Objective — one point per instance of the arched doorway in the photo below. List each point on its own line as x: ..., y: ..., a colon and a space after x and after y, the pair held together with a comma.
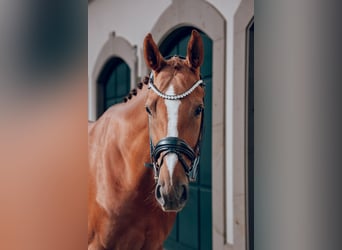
x: 193, y: 227
x: 113, y: 84
x: 195, y: 13
x: 116, y: 57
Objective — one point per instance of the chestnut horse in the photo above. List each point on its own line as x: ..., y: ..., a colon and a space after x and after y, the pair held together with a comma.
x: 131, y: 206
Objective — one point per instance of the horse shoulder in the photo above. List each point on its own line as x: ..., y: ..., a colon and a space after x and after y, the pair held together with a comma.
x: 100, y: 195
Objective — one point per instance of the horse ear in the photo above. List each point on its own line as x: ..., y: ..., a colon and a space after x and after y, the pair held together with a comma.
x: 195, y: 53
x: 152, y: 56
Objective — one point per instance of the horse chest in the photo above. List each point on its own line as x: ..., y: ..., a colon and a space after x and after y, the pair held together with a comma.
x: 135, y: 228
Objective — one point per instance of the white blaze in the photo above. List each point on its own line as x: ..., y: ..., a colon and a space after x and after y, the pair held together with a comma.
x: 172, y: 107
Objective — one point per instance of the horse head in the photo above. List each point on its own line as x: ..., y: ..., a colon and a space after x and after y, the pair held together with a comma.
x: 175, y: 104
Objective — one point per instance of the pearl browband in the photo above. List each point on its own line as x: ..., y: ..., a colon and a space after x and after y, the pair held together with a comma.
x: 174, y: 97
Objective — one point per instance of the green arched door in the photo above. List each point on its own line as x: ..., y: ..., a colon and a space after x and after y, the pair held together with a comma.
x: 193, y: 227
x: 113, y: 84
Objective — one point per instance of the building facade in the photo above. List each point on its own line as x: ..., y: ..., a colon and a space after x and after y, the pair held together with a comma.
x: 218, y: 215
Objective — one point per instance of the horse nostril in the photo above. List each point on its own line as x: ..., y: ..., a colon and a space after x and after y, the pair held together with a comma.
x: 184, y: 195
x: 159, y: 195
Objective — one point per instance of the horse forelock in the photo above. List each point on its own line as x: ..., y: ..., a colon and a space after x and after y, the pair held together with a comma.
x: 176, y: 72
x: 176, y: 62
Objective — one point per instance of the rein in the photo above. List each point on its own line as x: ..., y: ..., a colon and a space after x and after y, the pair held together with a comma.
x: 174, y: 144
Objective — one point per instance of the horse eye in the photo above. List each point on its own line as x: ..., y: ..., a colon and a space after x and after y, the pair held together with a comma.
x: 199, y: 110
x: 148, y: 110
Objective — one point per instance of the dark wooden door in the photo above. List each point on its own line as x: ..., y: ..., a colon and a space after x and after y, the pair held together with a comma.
x: 193, y: 228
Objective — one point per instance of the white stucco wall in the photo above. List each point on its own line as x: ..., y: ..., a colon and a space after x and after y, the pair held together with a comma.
x: 132, y: 20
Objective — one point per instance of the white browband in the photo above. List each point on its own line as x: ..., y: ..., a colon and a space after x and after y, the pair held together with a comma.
x: 173, y: 97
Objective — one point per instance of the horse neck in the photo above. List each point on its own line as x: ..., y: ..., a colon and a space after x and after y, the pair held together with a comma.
x: 128, y: 136
x: 136, y: 134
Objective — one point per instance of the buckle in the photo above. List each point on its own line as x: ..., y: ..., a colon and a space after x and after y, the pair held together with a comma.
x: 194, y: 170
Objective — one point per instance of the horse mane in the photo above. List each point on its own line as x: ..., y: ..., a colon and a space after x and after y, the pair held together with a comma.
x: 134, y: 91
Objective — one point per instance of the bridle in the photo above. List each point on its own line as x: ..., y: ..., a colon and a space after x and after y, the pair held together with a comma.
x: 174, y: 144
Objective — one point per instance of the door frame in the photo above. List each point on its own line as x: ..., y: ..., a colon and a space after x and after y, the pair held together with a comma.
x: 243, y: 16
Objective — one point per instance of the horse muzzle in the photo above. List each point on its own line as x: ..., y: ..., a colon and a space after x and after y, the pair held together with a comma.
x: 172, y: 198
